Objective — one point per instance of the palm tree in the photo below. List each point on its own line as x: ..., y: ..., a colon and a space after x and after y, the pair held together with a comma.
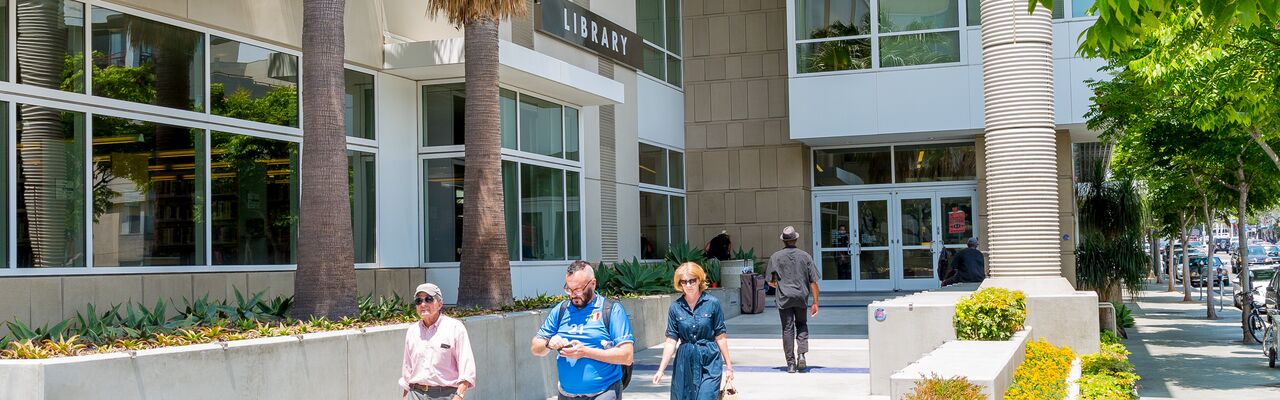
x: 325, y: 284
x: 485, y: 271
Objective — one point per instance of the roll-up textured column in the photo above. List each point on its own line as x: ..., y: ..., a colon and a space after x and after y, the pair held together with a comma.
x: 1021, y: 169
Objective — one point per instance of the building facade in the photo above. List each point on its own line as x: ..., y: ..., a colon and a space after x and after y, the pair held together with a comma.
x: 152, y: 147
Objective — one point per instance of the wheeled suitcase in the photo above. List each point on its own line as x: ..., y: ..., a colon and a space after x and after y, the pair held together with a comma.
x: 752, y: 293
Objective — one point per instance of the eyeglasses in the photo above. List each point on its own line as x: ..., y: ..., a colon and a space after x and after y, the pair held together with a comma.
x: 417, y: 301
x: 584, y: 289
x: 684, y: 282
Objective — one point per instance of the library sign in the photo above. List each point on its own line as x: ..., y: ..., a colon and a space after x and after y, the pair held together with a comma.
x: 578, y: 26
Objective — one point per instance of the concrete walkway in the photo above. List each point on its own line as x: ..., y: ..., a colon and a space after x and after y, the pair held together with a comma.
x: 837, y: 358
x: 1181, y: 355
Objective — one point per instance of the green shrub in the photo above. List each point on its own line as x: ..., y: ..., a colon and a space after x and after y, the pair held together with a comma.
x: 636, y: 277
x: 1117, y: 386
x: 1043, y: 372
x: 1109, y: 337
x: 938, y: 388
x: 681, y: 253
x: 1112, y: 359
x: 1124, y: 316
x: 990, y: 314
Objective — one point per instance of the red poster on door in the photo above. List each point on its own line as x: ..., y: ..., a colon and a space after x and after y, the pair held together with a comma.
x: 956, y: 221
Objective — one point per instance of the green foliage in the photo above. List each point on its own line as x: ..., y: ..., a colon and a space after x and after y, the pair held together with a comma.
x: 1043, y: 372
x: 385, y: 308
x: 757, y: 264
x: 1124, y: 316
x: 636, y: 277
x: 21, y: 332
x: 1109, y: 253
x: 990, y: 314
x: 1112, y: 358
x: 1118, y: 386
x: 938, y: 388
x: 278, y: 106
x: 1109, y: 337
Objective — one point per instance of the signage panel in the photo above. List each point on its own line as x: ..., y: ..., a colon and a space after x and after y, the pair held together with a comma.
x: 578, y: 26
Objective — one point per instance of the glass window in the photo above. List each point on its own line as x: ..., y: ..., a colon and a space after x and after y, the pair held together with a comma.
x: 144, y: 61
x: 674, y: 74
x: 832, y: 18
x: 654, y: 62
x: 442, y: 192
x: 653, y: 165
x: 254, y: 215
x: 573, y: 201
x: 974, y: 12
x: 361, y: 168
x: 935, y: 162
x: 860, y: 166
x: 542, y: 213
x: 541, y: 127
x: 677, y: 220
x: 650, y: 21
x: 677, y: 169
x: 920, y: 49
x: 838, y: 55
x: 1079, y: 8
x: 511, y: 207
x: 571, y: 133
x: 253, y: 83
x: 658, y: 22
x: 4, y: 69
x: 148, y: 184
x: 4, y: 189
x: 358, y: 105
x: 443, y: 110
x: 50, y: 44
x: 918, y: 15
x: 655, y: 225
x: 673, y: 26
x: 51, y: 188
x: 507, y: 106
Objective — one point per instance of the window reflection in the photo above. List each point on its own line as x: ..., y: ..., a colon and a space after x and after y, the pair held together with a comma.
x: 51, y: 188
x: 144, y: 61
x: 442, y: 111
x: 442, y: 192
x: 361, y: 168
x: 935, y: 162
x: 541, y: 127
x: 920, y: 49
x: 573, y: 201
x: 653, y: 165
x: 542, y: 209
x: 832, y: 18
x: 358, y: 113
x: 50, y: 44
x: 571, y: 133
x: 253, y: 83
x: 655, y: 226
x: 677, y: 169
x: 861, y: 166
x: 148, y: 192
x: 918, y: 15
x: 836, y: 55
x: 4, y: 189
x: 254, y: 182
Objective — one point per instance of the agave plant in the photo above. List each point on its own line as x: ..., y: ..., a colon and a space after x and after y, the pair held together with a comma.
x: 21, y: 332
x: 635, y: 277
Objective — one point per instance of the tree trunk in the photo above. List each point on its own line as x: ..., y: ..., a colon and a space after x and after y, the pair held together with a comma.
x: 1243, y: 251
x: 1186, y: 262
x: 1155, y: 254
x: 1210, y: 269
x: 485, y: 272
x: 44, y: 150
x: 325, y: 284
x: 1168, y: 266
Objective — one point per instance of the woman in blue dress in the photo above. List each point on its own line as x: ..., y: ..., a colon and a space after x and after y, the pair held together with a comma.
x: 696, y: 336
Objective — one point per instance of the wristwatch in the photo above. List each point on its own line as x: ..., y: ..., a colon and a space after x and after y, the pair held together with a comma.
x: 460, y: 395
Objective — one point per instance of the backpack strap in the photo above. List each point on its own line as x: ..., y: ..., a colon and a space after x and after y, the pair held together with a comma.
x: 606, y: 309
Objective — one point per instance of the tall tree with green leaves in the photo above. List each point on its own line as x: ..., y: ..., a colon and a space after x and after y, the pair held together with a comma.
x: 484, y: 276
x: 325, y: 283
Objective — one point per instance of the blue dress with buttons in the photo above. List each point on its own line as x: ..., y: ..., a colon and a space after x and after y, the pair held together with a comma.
x: 699, y: 364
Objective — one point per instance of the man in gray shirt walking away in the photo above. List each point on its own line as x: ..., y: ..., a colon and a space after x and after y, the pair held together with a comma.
x: 792, y: 272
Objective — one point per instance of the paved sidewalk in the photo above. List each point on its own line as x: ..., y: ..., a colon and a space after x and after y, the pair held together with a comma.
x: 837, y: 355
x: 1181, y: 355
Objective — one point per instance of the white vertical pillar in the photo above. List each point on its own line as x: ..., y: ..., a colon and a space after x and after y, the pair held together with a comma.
x: 1021, y: 170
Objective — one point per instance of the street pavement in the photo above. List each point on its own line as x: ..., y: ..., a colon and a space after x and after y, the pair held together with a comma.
x: 837, y: 358
x: 1182, y: 355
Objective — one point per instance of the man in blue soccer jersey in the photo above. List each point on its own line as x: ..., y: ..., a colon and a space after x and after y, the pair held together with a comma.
x: 592, y: 337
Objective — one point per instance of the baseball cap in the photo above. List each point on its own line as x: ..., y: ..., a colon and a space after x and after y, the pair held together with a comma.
x: 430, y: 289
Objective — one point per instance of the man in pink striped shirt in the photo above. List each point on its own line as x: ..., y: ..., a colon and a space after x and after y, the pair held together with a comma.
x: 438, y: 364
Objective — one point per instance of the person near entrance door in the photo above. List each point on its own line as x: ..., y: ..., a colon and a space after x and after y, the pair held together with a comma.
x: 792, y: 272
x: 967, y: 265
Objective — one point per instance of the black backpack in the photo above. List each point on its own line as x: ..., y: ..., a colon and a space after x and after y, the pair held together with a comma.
x: 606, y: 310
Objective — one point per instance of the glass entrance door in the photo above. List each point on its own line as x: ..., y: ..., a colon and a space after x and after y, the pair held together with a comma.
x: 891, y: 240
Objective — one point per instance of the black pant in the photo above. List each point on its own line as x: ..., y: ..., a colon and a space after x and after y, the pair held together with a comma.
x: 795, y: 328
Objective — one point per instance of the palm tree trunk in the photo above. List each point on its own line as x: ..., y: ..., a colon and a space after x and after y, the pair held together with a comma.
x: 325, y: 284
x: 43, y: 151
x: 485, y: 271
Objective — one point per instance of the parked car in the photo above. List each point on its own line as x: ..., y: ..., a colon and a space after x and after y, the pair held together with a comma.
x: 1199, y: 272
x: 1221, y: 244
x: 1272, y: 250
x: 1261, y: 265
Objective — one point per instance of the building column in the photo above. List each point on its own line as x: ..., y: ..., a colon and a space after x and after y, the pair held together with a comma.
x: 1020, y: 145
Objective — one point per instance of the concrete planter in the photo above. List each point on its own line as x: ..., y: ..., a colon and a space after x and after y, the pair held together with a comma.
x: 350, y: 364
x: 989, y: 364
x: 730, y: 272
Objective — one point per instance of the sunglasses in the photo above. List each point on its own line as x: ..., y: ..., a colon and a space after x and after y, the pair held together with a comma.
x: 423, y: 300
x: 688, y: 281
